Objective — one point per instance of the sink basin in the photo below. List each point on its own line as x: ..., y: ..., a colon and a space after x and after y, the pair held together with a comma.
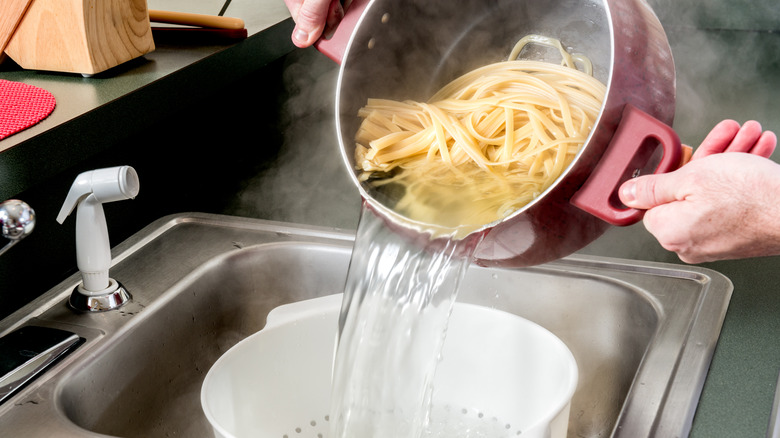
x: 642, y: 333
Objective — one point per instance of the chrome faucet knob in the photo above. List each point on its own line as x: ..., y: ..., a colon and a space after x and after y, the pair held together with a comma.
x: 17, y: 220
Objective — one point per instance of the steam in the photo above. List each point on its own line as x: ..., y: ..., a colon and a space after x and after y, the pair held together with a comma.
x: 726, y: 59
x: 307, y: 183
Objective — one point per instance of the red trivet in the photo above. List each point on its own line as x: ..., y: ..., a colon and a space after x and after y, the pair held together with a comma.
x: 22, y: 106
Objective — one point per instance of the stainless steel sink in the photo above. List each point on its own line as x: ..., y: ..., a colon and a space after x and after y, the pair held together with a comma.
x: 643, y: 333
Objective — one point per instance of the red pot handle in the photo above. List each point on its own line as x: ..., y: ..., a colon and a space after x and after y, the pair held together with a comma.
x: 597, y: 196
x: 335, y: 46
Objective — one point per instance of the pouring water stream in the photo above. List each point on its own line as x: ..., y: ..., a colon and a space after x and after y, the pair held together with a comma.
x: 397, y: 302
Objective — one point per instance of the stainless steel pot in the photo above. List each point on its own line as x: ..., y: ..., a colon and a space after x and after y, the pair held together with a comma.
x: 408, y: 49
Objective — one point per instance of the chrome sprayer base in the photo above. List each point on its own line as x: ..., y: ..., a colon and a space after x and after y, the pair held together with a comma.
x: 114, y: 297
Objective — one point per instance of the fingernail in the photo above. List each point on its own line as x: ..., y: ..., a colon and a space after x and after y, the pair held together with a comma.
x: 301, y: 36
x: 628, y: 192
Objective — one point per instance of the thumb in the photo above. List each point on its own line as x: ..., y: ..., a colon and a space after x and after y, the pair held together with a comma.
x: 310, y: 21
x: 648, y: 191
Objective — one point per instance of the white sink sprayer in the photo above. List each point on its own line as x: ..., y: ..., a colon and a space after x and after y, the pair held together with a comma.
x: 91, y: 189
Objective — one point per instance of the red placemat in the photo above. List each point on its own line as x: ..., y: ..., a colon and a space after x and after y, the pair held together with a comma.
x: 22, y: 106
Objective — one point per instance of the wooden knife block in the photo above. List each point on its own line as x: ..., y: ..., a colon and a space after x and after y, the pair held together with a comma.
x: 81, y: 36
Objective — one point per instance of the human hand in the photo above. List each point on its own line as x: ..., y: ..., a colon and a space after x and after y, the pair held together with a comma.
x: 313, y: 18
x: 728, y: 136
x: 721, y: 205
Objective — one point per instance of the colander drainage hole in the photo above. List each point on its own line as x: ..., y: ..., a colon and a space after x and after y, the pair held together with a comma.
x: 478, y: 416
x: 313, y: 424
x: 464, y: 422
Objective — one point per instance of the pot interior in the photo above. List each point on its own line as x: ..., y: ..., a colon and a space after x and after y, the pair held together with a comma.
x: 408, y: 50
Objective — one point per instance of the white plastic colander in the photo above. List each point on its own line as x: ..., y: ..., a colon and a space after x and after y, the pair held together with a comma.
x: 503, y: 373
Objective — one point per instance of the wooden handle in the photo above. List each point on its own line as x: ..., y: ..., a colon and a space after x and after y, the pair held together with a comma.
x: 189, y: 19
x: 11, y: 13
